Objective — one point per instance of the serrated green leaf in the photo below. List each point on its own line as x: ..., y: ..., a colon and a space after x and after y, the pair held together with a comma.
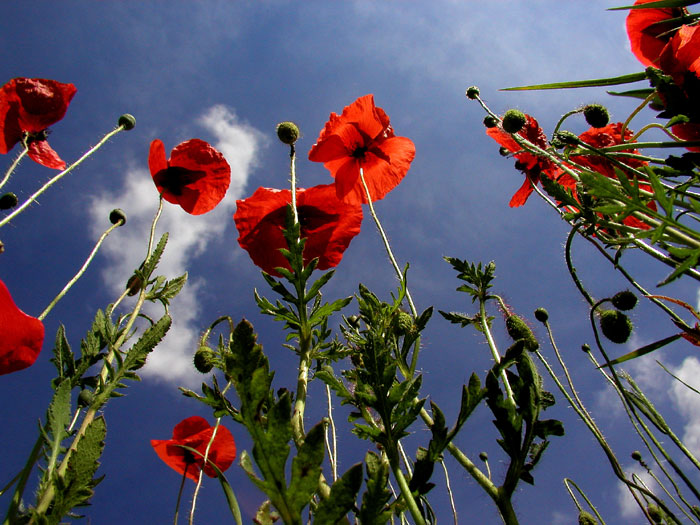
x: 306, y: 468
x: 342, y: 497
x: 150, y: 264
x: 548, y: 427
x: 374, y: 509
x: 136, y: 355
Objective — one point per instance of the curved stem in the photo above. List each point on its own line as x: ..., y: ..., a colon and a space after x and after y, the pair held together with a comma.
x: 58, y: 177
x: 82, y: 270
x: 14, y: 165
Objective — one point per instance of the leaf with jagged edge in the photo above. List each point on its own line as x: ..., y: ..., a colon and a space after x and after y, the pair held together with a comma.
x: 374, y: 509
x: 342, y: 497
x: 63, y: 358
x: 306, y: 468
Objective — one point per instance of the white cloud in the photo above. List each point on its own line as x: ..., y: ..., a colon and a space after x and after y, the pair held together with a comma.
x: 189, y: 237
x: 688, y: 402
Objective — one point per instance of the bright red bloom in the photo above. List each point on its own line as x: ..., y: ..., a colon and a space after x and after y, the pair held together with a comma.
x: 363, y: 138
x: 196, y: 176
x: 30, y: 105
x: 21, y: 335
x: 195, y: 432
x: 650, y: 29
x: 327, y: 223
x: 531, y: 165
x: 682, y: 54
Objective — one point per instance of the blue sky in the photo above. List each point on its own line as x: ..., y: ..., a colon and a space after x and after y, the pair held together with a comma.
x: 227, y: 72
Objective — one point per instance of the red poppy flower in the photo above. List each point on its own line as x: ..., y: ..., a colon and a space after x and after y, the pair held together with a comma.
x: 21, y: 335
x: 327, y: 223
x: 531, y: 165
x: 682, y: 54
x: 30, y: 105
x: 688, y: 131
x: 195, y: 432
x: 650, y: 29
x: 610, y: 135
x: 196, y: 176
x: 362, y: 138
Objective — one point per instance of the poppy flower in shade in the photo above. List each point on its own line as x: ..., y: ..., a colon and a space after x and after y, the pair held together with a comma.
x: 21, y: 335
x: 30, y: 105
x: 363, y: 138
x: 195, y: 432
x: 531, y: 165
x: 196, y: 176
x: 610, y: 135
x: 688, y: 131
x: 650, y: 29
x: 327, y: 223
x: 681, y: 55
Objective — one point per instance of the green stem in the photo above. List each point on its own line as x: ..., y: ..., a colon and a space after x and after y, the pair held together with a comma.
x: 81, y: 271
x: 58, y: 177
x: 179, y: 493
x: 13, y: 166
x: 11, y: 516
x: 406, y: 493
x: 483, y: 321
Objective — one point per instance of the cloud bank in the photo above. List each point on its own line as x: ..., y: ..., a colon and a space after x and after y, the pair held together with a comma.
x: 189, y: 237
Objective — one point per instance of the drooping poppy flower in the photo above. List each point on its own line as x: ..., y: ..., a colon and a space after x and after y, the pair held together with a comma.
x: 361, y: 137
x: 650, y: 29
x: 530, y: 164
x: 31, y: 105
x: 21, y: 335
x: 195, y: 432
x: 196, y: 176
x: 327, y: 223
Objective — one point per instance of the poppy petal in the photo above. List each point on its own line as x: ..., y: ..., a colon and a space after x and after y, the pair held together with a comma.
x: 21, y: 335
x: 520, y: 197
x: 42, y: 102
x: 40, y: 151
x: 649, y: 30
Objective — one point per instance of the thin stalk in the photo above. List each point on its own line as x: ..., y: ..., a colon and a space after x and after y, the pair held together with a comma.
x: 583, y: 495
x: 179, y: 494
x: 449, y: 491
x: 58, y: 177
x: 385, y: 240
x: 332, y: 444
x: 483, y: 321
x: 22, y: 483
x: 14, y: 165
x: 190, y: 521
x: 82, y: 270
x: 634, y: 113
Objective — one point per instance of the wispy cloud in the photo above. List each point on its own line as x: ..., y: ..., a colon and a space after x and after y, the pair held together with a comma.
x: 189, y: 236
x: 688, y: 402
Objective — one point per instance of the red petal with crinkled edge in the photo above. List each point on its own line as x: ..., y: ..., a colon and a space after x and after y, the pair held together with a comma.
x: 649, y: 31
x: 195, y: 432
x: 361, y: 137
x: 40, y: 151
x: 682, y: 54
x: 196, y: 177
x: 21, y: 335
x: 42, y: 102
x: 327, y: 223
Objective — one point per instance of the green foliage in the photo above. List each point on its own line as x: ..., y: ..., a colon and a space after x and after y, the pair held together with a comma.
x: 342, y: 497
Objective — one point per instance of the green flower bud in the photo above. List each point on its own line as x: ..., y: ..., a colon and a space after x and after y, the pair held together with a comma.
x: 134, y: 285
x: 518, y: 329
x: 403, y: 323
x: 117, y: 215
x: 513, y: 121
x: 8, y: 201
x: 636, y: 455
x: 568, y: 138
x: 490, y: 122
x: 503, y: 152
x: 541, y: 315
x: 586, y: 518
x: 127, y: 121
x: 616, y: 326
x: 624, y: 300
x: 655, y: 513
x: 586, y: 347
x: 204, y: 359
x: 596, y: 115
x: 85, y: 398
x: 288, y: 132
x: 483, y: 456
x: 472, y: 92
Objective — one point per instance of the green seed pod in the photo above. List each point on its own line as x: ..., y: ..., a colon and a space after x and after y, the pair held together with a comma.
x: 483, y: 456
x: 116, y: 215
x: 586, y: 347
x: 127, y: 121
x: 472, y: 92
x: 655, y: 513
x: 616, y: 326
x: 288, y: 132
x: 518, y: 329
x: 542, y: 315
x: 596, y: 115
x: 204, y: 359
x: 586, y: 518
x: 513, y: 121
x: 490, y: 122
x: 624, y: 300
x: 636, y: 455
x: 134, y: 285
x: 8, y: 201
